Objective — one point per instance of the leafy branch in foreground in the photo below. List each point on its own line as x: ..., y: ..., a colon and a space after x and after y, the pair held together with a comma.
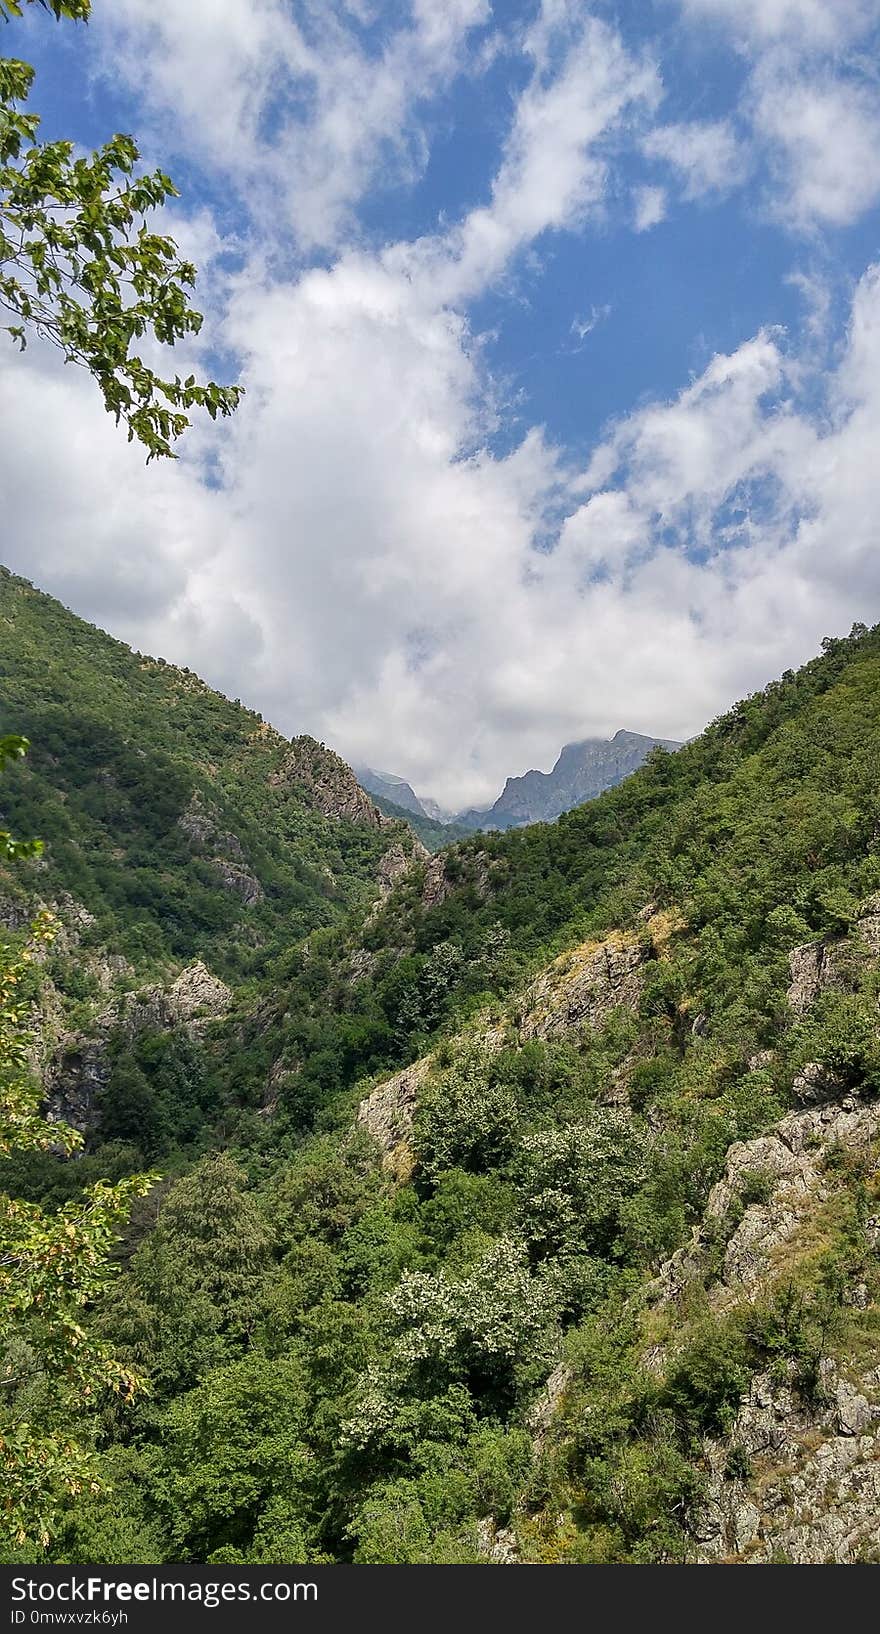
x: 80, y: 267
x: 52, y: 1266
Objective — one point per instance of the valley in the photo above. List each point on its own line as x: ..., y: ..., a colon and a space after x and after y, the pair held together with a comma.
x: 514, y: 1202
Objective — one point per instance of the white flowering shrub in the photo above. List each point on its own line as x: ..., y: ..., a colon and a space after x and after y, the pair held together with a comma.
x: 575, y: 1182
x: 444, y: 1336
x: 465, y: 1120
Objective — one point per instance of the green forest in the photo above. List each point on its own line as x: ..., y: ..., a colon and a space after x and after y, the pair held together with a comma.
x: 379, y: 1143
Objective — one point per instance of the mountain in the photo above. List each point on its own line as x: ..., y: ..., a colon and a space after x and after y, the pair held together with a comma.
x: 438, y: 813
x: 393, y: 789
x: 583, y: 771
x: 185, y: 823
x: 433, y: 835
x: 393, y: 796
x: 518, y: 1203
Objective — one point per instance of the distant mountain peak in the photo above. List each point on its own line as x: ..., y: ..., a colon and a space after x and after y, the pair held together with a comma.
x: 390, y: 787
x: 583, y: 770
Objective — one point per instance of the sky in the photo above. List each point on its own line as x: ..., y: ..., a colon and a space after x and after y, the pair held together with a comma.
x: 559, y: 325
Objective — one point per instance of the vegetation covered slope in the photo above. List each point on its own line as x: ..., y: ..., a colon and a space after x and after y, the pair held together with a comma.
x: 172, y: 814
x: 433, y: 835
x: 526, y: 1121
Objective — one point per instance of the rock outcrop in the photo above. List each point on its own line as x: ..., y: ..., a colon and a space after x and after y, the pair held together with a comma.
x: 787, y: 1166
x: 437, y: 886
x: 811, y: 1494
x: 75, y: 1079
x: 224, y: 851
x: 797, y: 1479
x: 329, y: 783
x: 197, y: 996
x: 583, y: 987
x: 396, y: 861
x: 813, y: 970
x: 236, y: 877
x: 817, y: 967
x: 387, y: 1113
x: 77, y: 1072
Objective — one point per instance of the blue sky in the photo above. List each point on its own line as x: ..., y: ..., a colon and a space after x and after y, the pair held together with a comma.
x: 560, y: 336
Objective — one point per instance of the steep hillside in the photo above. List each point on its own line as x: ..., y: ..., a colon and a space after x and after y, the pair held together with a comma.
x: 529, y: 1211
x: 182, y: 822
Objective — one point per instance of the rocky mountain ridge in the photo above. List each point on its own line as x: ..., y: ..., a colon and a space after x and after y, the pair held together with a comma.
x: 582, y: 771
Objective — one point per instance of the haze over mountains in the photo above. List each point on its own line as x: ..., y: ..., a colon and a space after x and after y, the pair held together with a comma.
x: 583, y: 771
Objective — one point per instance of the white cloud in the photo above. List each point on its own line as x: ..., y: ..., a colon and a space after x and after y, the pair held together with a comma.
x: 365, y: 577
x: 816, y: 293
x: 650, y: 208
x: 824, y: 23
x: 824, y: 137
x: 707, y: 155
x: 290, y: 102
x: 812, y: 103
x: 582, y: 327
x: 553, y: 169
x: 370, y: 571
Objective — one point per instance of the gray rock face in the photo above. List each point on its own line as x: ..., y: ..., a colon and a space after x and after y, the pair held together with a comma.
x: 583, y: 987
x: 239, y: 879
x: 387, y: 1112
x: 198, y: 995
x: 815, y: 1083
x: 227, y: 859
x: 790, y: 1160
x: 394, y: 863
x: 497, y: 1543
x: 77, y: 1072
x: 544, y: 1410
x: 868, y: 924
x: 823, y: 1506
x: 437, y: 886
x: 812, y: 972
x: 200, y: 825
x: 817, y: 967
x: 583, y: 771
x: 75, y: 1080
x: 796, y: 1480
x: 360, y: 965
x: 388, y: 787
x: 329, y: 783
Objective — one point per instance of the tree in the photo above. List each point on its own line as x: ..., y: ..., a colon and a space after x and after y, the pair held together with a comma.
x: 80, y: 267
x: 52, y: 1265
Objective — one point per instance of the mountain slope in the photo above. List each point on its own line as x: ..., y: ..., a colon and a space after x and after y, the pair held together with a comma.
x: 583, y: 771
x: 528, y: 1210
x: 432, y: 834
x: 395, y: 790
x: 183, y: 822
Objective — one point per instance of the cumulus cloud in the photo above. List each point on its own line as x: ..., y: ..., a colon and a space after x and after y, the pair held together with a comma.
x: 553, y: 170
x: 824, y: 138
x: 361, y: 564
x: 811, y: 100
x: 650, y: 208
x: 707, y: 156
x: 298, y: 105
x: 365, y: 576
